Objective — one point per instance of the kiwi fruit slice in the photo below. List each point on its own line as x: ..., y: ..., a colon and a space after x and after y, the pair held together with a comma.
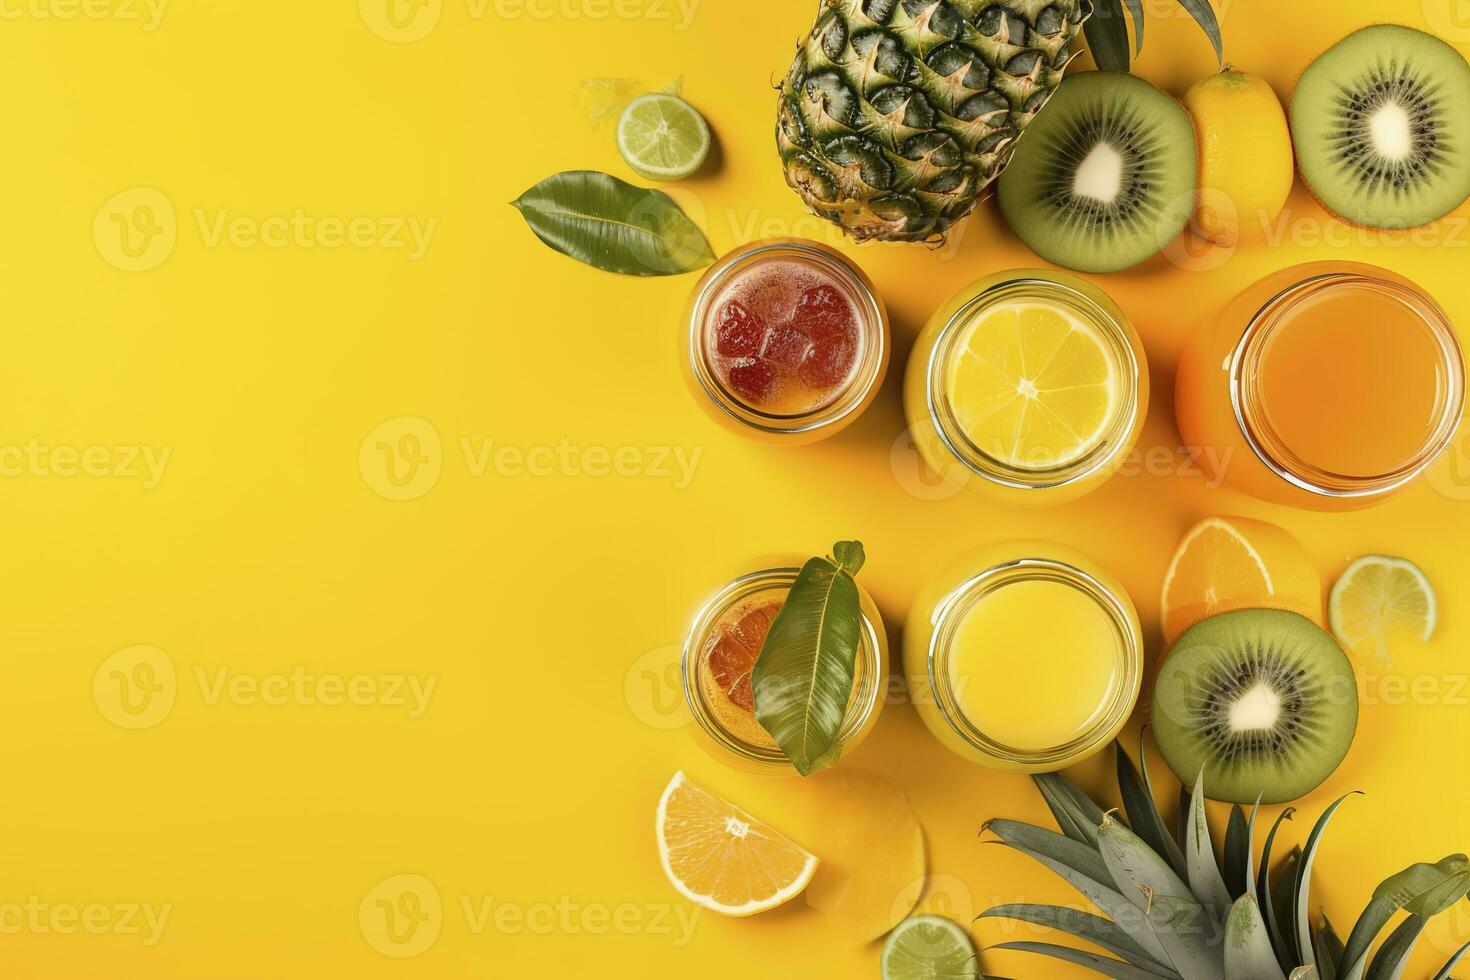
x: 1104, y: 176
x: 1262, y: 700
x: 1381, y: 127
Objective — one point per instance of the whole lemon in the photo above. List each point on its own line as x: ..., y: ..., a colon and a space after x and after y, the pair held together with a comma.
x: 1245, y: 158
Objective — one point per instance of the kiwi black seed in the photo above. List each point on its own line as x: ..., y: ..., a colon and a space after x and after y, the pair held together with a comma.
x: 1262, y: 701
x: 1104, y: 176
x: 1381, y: 127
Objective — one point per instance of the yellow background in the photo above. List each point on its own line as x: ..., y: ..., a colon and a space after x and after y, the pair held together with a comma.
x: 265, y: 546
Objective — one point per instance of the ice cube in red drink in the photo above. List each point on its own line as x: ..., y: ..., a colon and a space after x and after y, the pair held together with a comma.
x: 828, y: 363
x: 739, y: 331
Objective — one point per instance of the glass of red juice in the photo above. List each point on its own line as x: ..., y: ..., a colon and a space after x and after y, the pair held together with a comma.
x: 787, y: 340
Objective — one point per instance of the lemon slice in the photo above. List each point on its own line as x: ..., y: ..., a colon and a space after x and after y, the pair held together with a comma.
x: 723, y: 859
x: 662, y: 137
x: 1379, y: 597
x: 1032, y: 385
x: 929, y: 947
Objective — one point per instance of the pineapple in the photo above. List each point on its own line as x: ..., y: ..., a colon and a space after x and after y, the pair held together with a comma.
x: 897, y: 114
x: 1173, y: 911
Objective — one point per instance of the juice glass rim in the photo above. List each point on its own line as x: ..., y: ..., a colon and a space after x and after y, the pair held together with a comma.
x: 1268, y: 446
x: 1110, y: 321
x: 950, y: 612
x: 873, y: 330
x: 868, y: 670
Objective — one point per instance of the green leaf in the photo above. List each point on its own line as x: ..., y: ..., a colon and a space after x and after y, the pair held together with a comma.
x: 1304, y: 884
x: 1107, y: 35
x: 802, y: 679
x: 1284, y: 955
x: 1116, y: 969
x: 1248, y: 952
x: 1444, y: 971
x: 1329, y: 950
x: 1422, y: 889
x: 1191, y: 935
x: 1075, y: 812
x: 1304, y: 973
x: 849, y: 556
x: 1393, y: 955
x: 612, y: 225
x: 1143, y: 812
x: 1199, y: 852
x: 1084, y: 925
x: 1204, y: 15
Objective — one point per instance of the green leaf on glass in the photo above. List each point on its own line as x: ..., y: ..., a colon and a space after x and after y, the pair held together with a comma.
x: 802, y: 680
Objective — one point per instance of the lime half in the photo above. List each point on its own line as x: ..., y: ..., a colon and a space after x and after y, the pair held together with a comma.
x: 929, y: 947
x: 662, y: 137
x: 1379, y: 597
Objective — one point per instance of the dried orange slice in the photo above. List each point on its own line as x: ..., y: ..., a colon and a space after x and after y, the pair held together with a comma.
x: 720, y: 857
x: 1229, y: 563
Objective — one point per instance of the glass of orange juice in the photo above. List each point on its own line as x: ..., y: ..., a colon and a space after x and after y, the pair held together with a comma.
x: 1326, y: 385
x: 1024, y: 656
x: 786, y: 340
x: 1028, y: 387
x: 720, y: 649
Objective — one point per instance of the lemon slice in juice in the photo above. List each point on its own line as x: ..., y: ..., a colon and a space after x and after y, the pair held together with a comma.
x: 1032, y: 385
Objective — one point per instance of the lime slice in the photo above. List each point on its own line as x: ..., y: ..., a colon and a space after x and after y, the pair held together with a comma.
x: 662, y: 137
x: 929, y: 947
x: 1033, y: 385
x: 1379, y: 597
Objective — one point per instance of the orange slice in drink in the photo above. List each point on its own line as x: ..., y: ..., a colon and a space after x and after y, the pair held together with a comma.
x: 1229, y: 563
x: 720, y: 857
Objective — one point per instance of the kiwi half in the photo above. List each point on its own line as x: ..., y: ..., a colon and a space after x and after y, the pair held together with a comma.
x: 1262, y: 700
x: 1104, y: 176
x: 1381, y: 127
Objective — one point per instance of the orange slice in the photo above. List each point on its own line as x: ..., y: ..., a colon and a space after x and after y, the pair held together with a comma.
x: 1229, y: 563
x: 720, y: 857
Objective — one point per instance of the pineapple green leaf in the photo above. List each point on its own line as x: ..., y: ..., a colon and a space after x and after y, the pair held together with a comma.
x: 1235, y: 864
x: 1248, y: 952
x: 1329, y: 950
x: 1284, y: 956
x: 1422, y: 889
x: 1104, y: 965
x: 1140, y: 874
x: 1135, y: 10
x: 1444, y: 971
x: 1250, y: 848
x: 1393, y: 955
x: 1304, y: 973
x: 1075, y: 813
x: 1191, y: 935
x: 1084, y: 925
x: 1204, y: 873
x: 1181, y: 818
x: 1082, y: 868
x: 1107, y: 35
x: 1204, y: 15
x: 611, y: 225
x: 1143, y: 812
x: 1304, y: 948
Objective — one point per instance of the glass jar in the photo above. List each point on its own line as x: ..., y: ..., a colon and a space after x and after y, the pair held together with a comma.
x: 1328, y: 386
x: 782, y: 270
x: 930, y: 406
x: 730, y: 732
x: 1024, y: 656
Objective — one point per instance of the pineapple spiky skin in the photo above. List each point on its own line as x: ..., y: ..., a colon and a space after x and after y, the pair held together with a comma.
x: 897, y: 114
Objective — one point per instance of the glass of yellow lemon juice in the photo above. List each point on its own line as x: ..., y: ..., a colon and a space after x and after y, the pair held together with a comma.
x: 1024, y: 656
x: 1028, y: 387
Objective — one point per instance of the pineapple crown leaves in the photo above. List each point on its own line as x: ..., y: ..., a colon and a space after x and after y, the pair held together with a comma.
x: 1107, y: 30
x: 1172, y: 911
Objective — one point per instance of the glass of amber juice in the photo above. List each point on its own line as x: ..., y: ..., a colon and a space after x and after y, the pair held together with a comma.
x: 787, y: 340
x: 720, y: 650
x: 1327, y: 386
